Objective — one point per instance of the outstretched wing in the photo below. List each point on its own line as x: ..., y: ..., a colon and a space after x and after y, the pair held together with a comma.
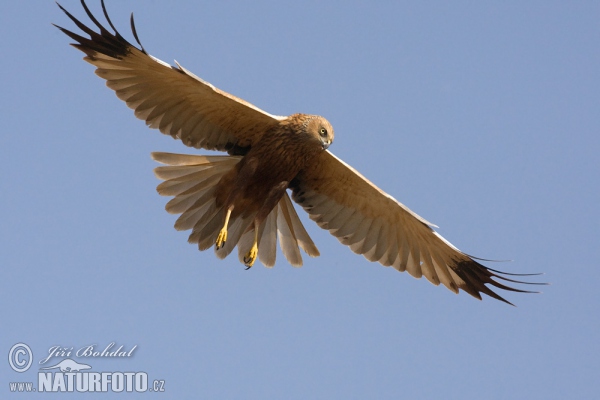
x: 168, y: 98
x: 382, y: 229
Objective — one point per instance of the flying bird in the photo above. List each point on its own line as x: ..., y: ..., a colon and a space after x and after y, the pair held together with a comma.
x: 241, y: 199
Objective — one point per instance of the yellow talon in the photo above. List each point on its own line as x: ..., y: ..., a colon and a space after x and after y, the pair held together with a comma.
x: 250, y: 257
x: 222, y: 238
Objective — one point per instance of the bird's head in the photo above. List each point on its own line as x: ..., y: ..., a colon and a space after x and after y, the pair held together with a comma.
x: 319, y: 128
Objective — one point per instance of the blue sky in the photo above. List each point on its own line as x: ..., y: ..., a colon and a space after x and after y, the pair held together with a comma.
x: 483, y: 117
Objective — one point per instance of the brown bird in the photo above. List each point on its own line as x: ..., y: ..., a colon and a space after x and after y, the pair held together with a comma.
x: 241, y: 199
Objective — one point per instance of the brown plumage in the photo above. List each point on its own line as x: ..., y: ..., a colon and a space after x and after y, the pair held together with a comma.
x: 241, y: 199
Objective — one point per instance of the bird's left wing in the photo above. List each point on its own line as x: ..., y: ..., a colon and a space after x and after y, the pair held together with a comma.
x: 382, y: 229
x: 168, y: 98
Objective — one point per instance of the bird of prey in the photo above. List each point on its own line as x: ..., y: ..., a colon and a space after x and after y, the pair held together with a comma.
x: 241, y: 199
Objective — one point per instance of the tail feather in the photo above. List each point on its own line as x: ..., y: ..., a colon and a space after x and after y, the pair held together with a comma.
x: 192, y: 180
x: 287, y: 238
x: 192, y: 218
x: 267, y: 250
x: 174, y: 159
x: 178, y: 173
x: 198, y: 181
x: 183, y: 203
x: 207, y: 228
x: 304, y: 239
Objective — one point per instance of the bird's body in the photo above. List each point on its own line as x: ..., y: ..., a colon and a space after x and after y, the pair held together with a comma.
x: 276, y: 159
x: 260, y: 180
x: 241, y: 200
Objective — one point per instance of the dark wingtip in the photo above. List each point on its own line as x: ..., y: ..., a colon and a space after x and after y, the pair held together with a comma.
x: 485, y: 259
x: 135, y: 35
x: 477, y: 277
x: 104, y: 41
x: 61, y: 7
x: 513, y: 274
x: 117, y: 34
x: 103, y: 30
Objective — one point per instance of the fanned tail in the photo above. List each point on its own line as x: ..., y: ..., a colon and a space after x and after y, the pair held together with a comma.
x: 192, y: 181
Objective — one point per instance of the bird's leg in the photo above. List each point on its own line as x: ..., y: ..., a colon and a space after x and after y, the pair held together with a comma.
x: 222, y: 238
x: 248, y: 168
x: 270, y: 202
x: 250, y: 257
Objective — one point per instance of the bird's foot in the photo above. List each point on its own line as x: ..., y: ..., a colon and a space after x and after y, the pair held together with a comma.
x: 250, y: 257
x: 221, y: 239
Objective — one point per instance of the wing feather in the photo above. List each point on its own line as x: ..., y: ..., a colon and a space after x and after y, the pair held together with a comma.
x: 371, y: 238
x: 383, y: 243
x: 357, y: 240
x: 428, y: 268
x: 376, y: 225
x: 392, y: 251
x: 169, y: 98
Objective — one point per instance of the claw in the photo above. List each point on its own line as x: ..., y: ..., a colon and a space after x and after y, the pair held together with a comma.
x: 250, y: 257
x: 221, y: 239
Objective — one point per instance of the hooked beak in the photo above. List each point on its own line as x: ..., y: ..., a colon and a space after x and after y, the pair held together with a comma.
x: 325, y: 144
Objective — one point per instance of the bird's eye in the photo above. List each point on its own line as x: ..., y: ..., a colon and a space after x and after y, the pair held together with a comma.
x: 323, y: 132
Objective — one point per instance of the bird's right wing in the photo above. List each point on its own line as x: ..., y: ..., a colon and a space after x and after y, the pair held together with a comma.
x: 169, y: 98
x: 374, y: 224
